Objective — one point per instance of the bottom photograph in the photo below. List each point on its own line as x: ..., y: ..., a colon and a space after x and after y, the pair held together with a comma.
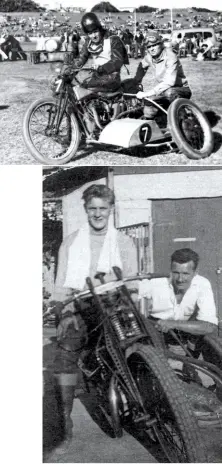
x: 132, y: 314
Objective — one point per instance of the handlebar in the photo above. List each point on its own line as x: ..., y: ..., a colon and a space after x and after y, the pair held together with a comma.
x: 107, y: 287
x: 114, y: 284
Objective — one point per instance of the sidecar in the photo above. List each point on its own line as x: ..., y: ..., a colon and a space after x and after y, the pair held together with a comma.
x: 182, y: 124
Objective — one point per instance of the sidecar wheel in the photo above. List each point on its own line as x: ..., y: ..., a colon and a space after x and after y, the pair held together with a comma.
x: 164, y: 399
x: 38, y: 133
x: 190, y: 129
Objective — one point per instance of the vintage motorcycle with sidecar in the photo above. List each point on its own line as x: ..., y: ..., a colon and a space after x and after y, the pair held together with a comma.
x: 124, y: 362
x: 54, y: 129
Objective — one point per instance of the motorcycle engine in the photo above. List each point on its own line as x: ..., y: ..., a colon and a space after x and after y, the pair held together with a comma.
x: 100, y: 112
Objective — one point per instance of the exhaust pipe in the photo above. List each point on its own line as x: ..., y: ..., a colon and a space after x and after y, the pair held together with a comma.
x: 114, y: 402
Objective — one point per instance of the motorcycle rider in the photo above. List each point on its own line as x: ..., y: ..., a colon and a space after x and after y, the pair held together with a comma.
x: 107, y: 51
x: 168, y: 72
x: 109, y: 55
x: 96, y: 247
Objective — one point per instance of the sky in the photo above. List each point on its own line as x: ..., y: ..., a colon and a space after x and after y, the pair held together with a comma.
x: 88, y: 4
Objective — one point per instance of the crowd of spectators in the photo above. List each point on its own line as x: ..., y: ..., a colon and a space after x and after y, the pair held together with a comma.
x: 44, y: 26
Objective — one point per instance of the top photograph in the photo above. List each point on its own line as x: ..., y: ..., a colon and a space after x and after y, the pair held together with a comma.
x: 110, y: 83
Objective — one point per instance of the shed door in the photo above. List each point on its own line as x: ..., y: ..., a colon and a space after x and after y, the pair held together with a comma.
x: 192, y: 223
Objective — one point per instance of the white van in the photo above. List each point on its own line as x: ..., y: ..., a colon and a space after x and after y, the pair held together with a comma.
x: 188, y: 33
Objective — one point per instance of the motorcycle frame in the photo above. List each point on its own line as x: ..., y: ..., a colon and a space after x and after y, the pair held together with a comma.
x: 108, y: 337
x: 65, y: 97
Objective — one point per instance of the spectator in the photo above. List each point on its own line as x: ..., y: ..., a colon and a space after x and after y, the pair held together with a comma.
x: 75, y: 39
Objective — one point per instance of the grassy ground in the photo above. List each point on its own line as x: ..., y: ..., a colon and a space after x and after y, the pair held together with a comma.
x: 21, y: 83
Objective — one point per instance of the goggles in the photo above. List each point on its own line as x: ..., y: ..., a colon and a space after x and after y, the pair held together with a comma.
x: 153, y: 45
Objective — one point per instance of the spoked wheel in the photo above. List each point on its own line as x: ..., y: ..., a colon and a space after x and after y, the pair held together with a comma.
x: 45, y: 143
x: 176, y: 429
x: 190, y: 129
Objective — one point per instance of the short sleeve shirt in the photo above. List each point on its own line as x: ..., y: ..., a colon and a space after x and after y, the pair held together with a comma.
x: 198, y: 301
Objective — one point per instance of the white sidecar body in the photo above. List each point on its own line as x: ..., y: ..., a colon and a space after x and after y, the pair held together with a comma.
x: 129, y: 132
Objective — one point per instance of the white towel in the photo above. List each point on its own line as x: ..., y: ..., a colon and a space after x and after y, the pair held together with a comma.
x: 79, y: 258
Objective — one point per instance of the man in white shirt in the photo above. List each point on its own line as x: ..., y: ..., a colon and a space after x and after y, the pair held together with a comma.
x: 185, y: 301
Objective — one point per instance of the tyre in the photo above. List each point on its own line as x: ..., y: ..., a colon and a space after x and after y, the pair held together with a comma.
x: 40, y: 138
x: 190, y: 129
x: 176, y: 428
x: 156, y: 337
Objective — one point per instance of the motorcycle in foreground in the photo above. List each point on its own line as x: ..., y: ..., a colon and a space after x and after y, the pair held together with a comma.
x: 55, y: 128
x: 136, y: 388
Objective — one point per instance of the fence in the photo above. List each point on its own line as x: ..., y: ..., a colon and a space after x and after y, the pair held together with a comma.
x: 142, y: 237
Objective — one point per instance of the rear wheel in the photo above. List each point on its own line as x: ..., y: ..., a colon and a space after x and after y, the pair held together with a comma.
x: 43, y: 141
x: 176, y: 428
x: 190, y: 129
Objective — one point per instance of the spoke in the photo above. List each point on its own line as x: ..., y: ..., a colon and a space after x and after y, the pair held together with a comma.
x: 169, y: 439
x: 156, y: 402
x: 191, y: 128
x: 42, y: 132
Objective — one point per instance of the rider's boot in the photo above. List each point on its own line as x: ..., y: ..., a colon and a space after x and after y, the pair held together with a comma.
x: 66, y: 385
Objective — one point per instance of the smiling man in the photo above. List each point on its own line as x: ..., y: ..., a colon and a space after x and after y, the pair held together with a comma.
x: 167, y: 70
x: 95, y: 248
x: 185, y: 301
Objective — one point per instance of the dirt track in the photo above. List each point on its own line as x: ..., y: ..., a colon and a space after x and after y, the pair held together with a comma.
x: 21, y: 83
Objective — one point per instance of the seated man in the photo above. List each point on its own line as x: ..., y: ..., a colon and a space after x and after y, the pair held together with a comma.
x: 168, y: 72
x: 108, y: 52
x: 185, y: 301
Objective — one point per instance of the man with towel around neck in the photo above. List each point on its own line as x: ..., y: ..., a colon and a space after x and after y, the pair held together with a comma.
x: 96, y: 247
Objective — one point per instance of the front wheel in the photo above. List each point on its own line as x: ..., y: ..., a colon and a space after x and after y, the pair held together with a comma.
x: 176, y: 429
x: 45, y: 143
x: 190, y: 129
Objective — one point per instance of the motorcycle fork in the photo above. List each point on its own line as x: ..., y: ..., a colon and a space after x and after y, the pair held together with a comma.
x: 114, y: 349
x: 60, y: 112
x: 79, y: 114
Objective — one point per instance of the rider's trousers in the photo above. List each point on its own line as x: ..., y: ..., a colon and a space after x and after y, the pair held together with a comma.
x: 72, y: 338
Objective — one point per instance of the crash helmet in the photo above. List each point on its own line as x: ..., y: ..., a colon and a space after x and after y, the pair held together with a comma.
x: 90, y: 23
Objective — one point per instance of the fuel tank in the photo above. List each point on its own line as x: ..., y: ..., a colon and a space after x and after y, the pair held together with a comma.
x: 81, y: 93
